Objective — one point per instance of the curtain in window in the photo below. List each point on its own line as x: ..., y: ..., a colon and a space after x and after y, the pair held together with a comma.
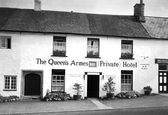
x: 59, y: 45
x: 93, y: 46
x: 126, y: 48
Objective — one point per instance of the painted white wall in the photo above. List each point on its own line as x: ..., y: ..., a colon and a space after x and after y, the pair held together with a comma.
x: 27, y: 47
x: 10, y: 62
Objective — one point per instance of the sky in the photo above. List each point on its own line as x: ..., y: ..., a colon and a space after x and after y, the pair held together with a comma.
x: 155, y: 8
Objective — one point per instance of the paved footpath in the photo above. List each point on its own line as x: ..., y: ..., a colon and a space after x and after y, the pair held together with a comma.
x: 82, y: 105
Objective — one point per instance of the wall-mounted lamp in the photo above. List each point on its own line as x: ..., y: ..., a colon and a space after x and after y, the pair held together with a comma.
x: 84, y: 77
x: 102, y: 77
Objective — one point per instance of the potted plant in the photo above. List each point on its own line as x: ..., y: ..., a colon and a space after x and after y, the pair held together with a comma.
x: 109, y: 88
x: 147, y: 90
x: 78, y: 88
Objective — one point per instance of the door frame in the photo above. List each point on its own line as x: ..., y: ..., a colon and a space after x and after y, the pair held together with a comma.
x: 26, y: 72
x: 86, y: 82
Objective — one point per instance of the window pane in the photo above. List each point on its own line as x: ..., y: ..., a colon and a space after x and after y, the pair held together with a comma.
x: 62, y: 77
x: 5, y: 42
x: 58, y: 77
x: 93, y: 47
x: 10, y: 82
x: 126, y: 80
x: 126, y: 49
x: 58, y: 84
x: 54, y: 77
x: 59, y: 46
x: 54, y: 83
x: 162, y: 67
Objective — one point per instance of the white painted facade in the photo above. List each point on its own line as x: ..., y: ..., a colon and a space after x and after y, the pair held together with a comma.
x: 32, y: 52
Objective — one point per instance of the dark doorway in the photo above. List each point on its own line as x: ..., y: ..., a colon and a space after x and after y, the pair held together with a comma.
x: 32, y: 84
x: 93, y: 86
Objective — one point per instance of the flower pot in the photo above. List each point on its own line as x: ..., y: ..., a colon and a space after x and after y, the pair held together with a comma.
x: 77, y: 97
x: 147, y: 92
x: 110, y: 95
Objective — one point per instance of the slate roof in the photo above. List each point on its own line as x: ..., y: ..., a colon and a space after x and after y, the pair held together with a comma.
x: 28, y: 20
x: 157, y: 27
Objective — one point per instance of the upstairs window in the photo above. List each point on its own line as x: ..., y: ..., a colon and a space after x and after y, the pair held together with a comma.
x: 126, y: 49
x: 93, y: 48
x: 10, y: 82
x: 59, y: 46
x: 5, y: 42
x: 58, y: 80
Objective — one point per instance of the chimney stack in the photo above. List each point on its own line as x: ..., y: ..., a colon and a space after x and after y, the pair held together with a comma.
x: 37, y: 5
x: 139, y: 11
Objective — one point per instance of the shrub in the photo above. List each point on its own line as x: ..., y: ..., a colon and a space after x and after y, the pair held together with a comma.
x: 128, y: 95
x: 8, y: 98
x: 57, y: 96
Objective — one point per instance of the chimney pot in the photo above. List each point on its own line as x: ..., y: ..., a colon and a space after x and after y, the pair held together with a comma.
x: 141, y: 1
x: 139, y: 11
x: 37, y: 5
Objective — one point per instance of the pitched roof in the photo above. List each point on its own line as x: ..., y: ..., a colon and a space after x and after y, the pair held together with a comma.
x: 27, y: 20
x: 157, y: 27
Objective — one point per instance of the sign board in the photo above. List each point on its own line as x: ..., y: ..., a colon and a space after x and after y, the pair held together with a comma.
x: 92, y: 64
x: 161, y: 61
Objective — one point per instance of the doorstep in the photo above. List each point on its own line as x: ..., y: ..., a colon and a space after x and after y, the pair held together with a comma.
x: 99, y: 104
x: 30, y: 98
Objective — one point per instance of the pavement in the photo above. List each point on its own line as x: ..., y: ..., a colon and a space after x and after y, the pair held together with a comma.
x: 92, y: 104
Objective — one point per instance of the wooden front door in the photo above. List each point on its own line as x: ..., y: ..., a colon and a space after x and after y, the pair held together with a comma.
x: 32, y: 84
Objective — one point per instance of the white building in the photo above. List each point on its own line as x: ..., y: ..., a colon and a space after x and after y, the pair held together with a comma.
x: 50, y: 50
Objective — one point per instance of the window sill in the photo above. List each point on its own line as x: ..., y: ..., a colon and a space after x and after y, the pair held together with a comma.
x: 58, y: 56
x: 127, y: 58
x: 93, y: 57
x: 9, y: 90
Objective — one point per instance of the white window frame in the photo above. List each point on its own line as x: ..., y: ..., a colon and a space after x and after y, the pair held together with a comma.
x: 58, y: 82
x: 93, y: 45
x: 8, y: 85
x: 126, y: 84
x: 59, y: 46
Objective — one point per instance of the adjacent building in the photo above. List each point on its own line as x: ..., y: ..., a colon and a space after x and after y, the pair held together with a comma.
x: 52, y: 50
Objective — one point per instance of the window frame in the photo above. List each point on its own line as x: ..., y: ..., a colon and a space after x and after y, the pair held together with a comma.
x: 57, y: 52
x: 90, y: 55
x: 128, y: 55
x: 58, y: 72
x: 130, y: 83
x: 10, y: 83
x: 7, y: 44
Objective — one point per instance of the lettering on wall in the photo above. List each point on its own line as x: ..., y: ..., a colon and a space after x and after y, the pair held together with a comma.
x: 144, y: 66
x: 75, y: 75
x: 100, y: 63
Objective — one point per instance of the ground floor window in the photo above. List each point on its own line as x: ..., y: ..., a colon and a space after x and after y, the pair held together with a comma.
x: 10, y: 82
x: 126, y: 80
x: 58, y: 80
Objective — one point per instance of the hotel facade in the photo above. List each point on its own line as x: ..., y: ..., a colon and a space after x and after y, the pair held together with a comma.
x: 50, y: 50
